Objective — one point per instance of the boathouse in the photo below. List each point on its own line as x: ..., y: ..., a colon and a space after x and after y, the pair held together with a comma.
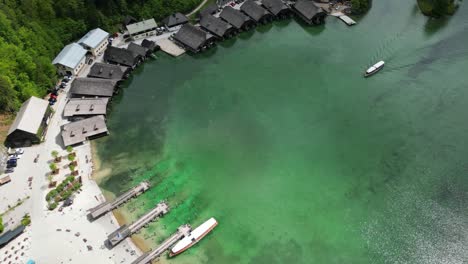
x: 256, y: 12
x: 193, y: 38
x: 236, y: 18
x: 175, y: 21
x: 309, y: 12
x: 277, y: 8
x: 123, y: 57
x: 139, y: 50
x: 217, y: 27
x: 92, y: 87
x: 150, y: 45
x: 108, y: 71
x: 80, y: 131
x: 95, y: 41
x: 85, y: 107
x: 30, y: 123
x: 209, y: 10
x: 142, y: 29
x: 70, y: 60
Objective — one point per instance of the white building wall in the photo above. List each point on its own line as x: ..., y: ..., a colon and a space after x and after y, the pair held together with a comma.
x: 144, y: 35
x: 100, y: 48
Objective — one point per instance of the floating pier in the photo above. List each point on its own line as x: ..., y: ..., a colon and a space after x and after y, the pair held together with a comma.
x: 147, y: 257
x: 106, y: 207
x: 347, y: 20
x: 125, y: 231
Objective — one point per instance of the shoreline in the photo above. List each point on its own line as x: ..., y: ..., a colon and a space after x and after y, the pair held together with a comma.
x: 98, y: 174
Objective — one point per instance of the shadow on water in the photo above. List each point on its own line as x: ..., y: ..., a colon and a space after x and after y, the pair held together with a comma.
x: 228, y: 42
x: 246, y: 34
x: 282, y: 23
x: 313, y: 30
x: 433, y: 25
x: 264, y: 28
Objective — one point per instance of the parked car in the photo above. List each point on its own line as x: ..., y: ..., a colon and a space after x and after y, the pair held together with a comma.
x: 62, y: 85
x: 11, y: 165
x: 10, y: 170
x: 51, y: 103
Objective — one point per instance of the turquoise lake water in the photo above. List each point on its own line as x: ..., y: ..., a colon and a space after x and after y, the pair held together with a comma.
x: 278, y: 136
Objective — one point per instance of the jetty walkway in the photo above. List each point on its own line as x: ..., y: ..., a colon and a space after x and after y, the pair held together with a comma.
x: 125, y: 231
x: 106, y: 207
x: 182, y: 231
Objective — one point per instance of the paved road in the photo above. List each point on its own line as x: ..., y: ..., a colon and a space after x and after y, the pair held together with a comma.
x: 197, y: 8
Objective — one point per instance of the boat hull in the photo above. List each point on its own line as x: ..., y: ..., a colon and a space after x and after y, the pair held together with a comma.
x: 366, y: 74
x: 194, y: 241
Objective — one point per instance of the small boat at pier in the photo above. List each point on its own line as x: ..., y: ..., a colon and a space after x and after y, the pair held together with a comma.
x: 374, y: 69
x: 196, y: 235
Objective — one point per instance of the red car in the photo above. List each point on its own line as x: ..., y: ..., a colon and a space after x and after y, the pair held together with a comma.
x: 53, y: 96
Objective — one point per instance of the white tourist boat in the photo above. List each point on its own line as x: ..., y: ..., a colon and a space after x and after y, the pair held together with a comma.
x: 374, y: 69
x: 196, y: 235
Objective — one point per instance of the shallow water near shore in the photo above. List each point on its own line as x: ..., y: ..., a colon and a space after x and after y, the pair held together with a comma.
x: 278, y: 136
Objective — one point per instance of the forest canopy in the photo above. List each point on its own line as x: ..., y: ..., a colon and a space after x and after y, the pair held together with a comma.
x: 32, y: 32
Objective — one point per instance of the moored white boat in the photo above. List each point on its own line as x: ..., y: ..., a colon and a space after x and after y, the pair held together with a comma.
x: 196, y: 235
x: 374, y: 69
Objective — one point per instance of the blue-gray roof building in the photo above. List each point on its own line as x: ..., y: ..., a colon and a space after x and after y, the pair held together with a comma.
x: 95, y: 41
x: 71, y: 59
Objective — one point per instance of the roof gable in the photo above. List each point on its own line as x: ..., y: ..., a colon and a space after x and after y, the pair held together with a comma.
x: 191, y: 36
x: 30, y: 115
x: 274, y: 6
x: 142, y: 26
x: 214, y: 25
x: 253, y: 10
x: 93, y: 38
x: 175, y: 20
x: 307, y: 8
x: 70, y: 56
x: 137, y: 49
x: 234, y: 17
x: 93, y: 87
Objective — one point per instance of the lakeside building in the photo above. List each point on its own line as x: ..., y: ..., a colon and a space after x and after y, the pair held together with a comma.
x: 236, y: 18
x: 256, y: 12
x: 150, y: 45
x: 30, y: 123
x: 277, y: 8
x: 309, y: 12
x: 70, y: 60
x: 86, y: 129
x: 139, y: 50
x: 142, y: 29
x: 85, y: 107
x: 193, y: 38
x: 108, y: 71
x: 217, y: 27
x: 209, y: 10
x: 123, y: 57
x: 175, y: 21
x: 92, y: 87
x: 95, y: 41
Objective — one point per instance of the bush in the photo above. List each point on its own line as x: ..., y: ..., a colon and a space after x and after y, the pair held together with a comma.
x: 72, y: 167
x: 53, y: 206
x: 55, y: 154
x: 71, y: 157
x: 69, y: 149
x: 70, y: 178
x: 26, y: 220
x: 53, y: 166
x: 51, y: 195
x: 66, y: 195
x: 1, y: 225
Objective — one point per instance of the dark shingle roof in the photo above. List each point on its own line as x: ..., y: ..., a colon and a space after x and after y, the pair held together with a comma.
x: 107, y: 71
x: 175, y: 20
x: 274, y: 6
x: 215, y: 25
x: 93, y: 87
x: 209, y: 10
x: 137, y: 49
x: 191, y: 36
x: 151, y: 45
x: 129, y: 20
x: 307, y: 8
x: 253, y: 10
x: 234, y: 17
x: 121, y: 56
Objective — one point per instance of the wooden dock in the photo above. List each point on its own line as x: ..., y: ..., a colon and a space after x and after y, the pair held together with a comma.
x: 125, y: 231
x: 349, y: 21
x: 106, y: 207
x: 170, y: 47
x: 147, y: 257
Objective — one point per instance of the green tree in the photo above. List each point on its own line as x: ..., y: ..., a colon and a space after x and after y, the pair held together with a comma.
x: 69, y: 149
x: 1, y: 225
x: 53, y: 166
x: 55, y: 153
